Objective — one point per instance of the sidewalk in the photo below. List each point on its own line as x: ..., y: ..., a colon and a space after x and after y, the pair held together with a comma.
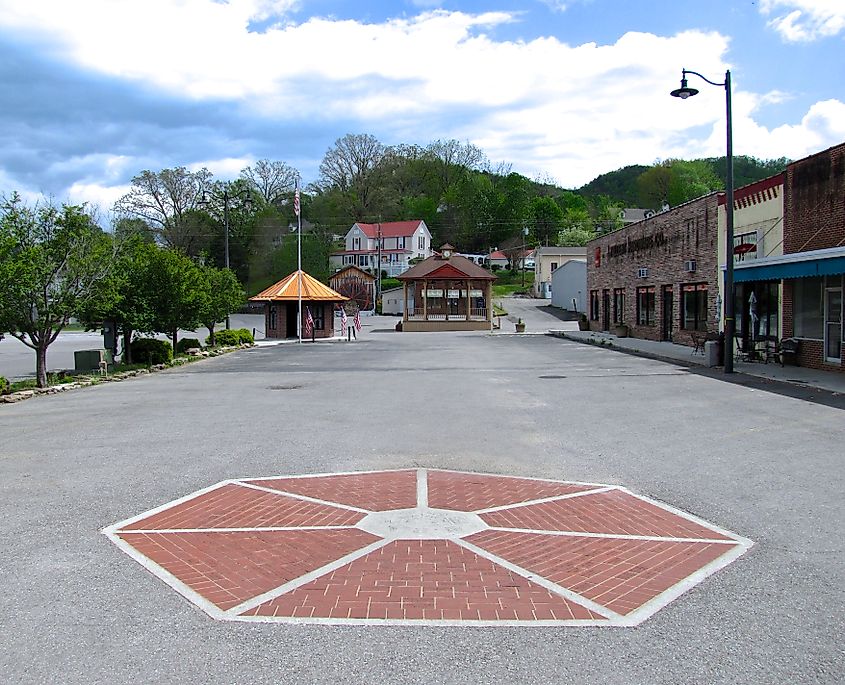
x: 681, y: 354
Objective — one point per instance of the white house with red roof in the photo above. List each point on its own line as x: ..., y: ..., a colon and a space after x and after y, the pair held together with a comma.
x: 397, y: 242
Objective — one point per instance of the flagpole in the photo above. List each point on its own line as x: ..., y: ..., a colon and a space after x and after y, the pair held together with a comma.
x: 298, y: 210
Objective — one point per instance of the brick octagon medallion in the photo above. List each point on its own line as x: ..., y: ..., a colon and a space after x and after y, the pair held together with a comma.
x: 425, y: 546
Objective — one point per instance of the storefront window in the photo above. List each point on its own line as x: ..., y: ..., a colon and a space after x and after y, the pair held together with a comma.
x: 594, y: 305
x: 694, y: 303
x: 619, y: 305
x: 645, y: 306
x: 808, y: 307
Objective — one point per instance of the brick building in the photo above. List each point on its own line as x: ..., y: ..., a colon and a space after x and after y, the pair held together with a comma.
x: 658, y: 276
x: 809, y: 272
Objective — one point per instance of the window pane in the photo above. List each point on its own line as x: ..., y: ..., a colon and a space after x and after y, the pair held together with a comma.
x: 808, y: 308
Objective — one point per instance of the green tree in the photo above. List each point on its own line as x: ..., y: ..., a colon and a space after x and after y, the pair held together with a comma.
x: 575, y: 237
x: 546, y: 219
x: 52, y: 262
x: 315, y: 258
x: 223, y: 295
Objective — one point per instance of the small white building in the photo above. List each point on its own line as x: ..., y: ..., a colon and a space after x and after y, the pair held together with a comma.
x: 569, y: 286
x: 393, y: 301
x: 546, y: 260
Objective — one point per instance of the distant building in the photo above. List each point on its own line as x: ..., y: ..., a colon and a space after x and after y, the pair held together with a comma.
x: 398, y: 242
x: 569, y: 286
x: 546, y: 260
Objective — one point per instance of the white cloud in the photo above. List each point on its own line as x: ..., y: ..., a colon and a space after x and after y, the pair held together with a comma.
x: 549, y: 108
x: 556, y: 5
x: 805, y: 20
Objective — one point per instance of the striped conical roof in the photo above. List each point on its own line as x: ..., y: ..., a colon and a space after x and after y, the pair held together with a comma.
x: 288, y: 290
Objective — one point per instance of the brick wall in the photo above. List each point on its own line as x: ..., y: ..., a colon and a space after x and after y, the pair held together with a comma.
x: 814, y: 219
x: 662, y: 244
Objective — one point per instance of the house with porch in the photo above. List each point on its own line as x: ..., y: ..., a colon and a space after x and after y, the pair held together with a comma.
x: 389, y: 245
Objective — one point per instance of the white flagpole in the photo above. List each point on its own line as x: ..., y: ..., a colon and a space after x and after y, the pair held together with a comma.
x: 298, y: 209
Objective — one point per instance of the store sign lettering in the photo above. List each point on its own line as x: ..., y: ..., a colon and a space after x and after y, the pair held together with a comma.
x: 646, y: 242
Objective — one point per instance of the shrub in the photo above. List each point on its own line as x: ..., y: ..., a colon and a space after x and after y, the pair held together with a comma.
x: 5, y: 386
x: 186, y: 344
x: 151, y: 351
x: 225, y: 338
x: 245, y: 336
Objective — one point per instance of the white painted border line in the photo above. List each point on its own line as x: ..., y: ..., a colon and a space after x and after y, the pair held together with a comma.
x: 268, y: 529
x: 164, y: 507
x: 669, y: 595
x: 428, y: 623
x: 543, y: 500
x: 535, y: 478
x: 304, y: 498
x: 611, y: 536
x: 326, y: 475
x: 554, y: 588
x: 307, y: 577
x: 689, y: 517
x: 422, y: 489
x: 166, y: 577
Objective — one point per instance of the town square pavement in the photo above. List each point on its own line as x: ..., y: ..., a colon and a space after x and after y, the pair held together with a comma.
x: 75, y: 609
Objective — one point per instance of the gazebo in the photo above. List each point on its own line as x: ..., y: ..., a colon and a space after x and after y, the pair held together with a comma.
x: 281, y: 302
x: 447, y: 292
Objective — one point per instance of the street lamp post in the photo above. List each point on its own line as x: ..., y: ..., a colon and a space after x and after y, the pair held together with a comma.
x: 685, y: 92
x: 226, y: 197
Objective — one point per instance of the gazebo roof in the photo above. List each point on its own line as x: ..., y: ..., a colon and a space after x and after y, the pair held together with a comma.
x: 287, y: 290
x: 454, y: 266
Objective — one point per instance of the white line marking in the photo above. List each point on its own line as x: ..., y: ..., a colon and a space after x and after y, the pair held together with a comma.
x: 543, y: 500
x: 236, y: 530
x: 422, y: 488
x: 554, y: 588
x: 163, y: 507
x: 168, y: 578
x: 326, y: 475
x: 306, y: 578
x: 304, y: 498
x: 422, y: 622
x: 611, y: 536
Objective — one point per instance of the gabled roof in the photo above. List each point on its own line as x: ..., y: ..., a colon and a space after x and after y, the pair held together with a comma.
x: 440, y: 267
x: 351, y: 270
x: 287, y: 290
x: 390, y: 229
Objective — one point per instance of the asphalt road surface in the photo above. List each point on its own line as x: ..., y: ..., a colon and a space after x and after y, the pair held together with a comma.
x: 75, y: 609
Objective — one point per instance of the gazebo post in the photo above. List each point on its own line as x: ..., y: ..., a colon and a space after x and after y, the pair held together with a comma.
x: 468, y: 285
x: 425, y: 300
x: 405, y: 300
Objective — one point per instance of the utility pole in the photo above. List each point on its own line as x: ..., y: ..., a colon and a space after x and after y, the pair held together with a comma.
x: 378, y: 266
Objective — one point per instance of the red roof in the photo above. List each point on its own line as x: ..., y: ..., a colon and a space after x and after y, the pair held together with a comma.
x: 390, y: 229
x: 440, y: 267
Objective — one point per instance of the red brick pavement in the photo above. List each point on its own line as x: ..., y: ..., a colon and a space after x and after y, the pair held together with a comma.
x: 471, y: 491
x: 228, y: 568
x: 423, y: 579
x: 236, y: 506
x: 613, y: 512
x: 621, y: 575
x: 372, y: 491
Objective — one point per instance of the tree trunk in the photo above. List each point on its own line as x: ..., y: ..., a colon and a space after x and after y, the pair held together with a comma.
x: 127, y: 346
x: 41, y: 365
x: 211, y: 336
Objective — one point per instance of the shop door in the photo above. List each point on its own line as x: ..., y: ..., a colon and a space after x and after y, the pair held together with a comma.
x: 291, y: 331
x: 605, y: 306
x: 833, y: 324
x: 668, y: 312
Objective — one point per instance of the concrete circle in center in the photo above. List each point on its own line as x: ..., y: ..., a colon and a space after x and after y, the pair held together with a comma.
x: 422, y: 523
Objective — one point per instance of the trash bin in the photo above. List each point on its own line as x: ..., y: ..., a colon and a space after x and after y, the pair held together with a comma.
x: 711, y: 353
x: 789, y: 351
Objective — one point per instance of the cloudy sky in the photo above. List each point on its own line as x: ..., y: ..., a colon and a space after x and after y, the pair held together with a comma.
x: 95, y: 91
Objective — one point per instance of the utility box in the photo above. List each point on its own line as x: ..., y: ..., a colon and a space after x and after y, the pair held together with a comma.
x: 711, y: 353
x: 90, y: 360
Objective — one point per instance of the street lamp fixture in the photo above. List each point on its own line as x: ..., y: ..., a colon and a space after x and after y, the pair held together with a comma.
x: 226, y: 198
x: 685, y: 92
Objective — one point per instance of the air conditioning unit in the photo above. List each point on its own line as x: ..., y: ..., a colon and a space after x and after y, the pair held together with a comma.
x: 642, y: 272
x: 689, y: 265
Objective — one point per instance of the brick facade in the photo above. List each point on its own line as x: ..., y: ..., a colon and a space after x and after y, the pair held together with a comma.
x: 814, y: 219
x: 664, y: 245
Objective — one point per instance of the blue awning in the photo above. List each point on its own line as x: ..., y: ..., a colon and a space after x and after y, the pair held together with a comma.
x: 793, y: 269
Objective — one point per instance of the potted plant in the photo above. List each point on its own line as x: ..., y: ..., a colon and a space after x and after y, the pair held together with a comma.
x: 583, y: 323
x: 620, y: 330
x: 520, y: 326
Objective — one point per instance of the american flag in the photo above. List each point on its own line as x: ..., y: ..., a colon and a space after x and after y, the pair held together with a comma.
x: 296, y: 207
x: 309, y: 323
x: 357, y: 319
x: 342, y: 319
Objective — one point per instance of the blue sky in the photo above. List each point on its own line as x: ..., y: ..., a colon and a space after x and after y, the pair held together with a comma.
x: 95, y: 91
